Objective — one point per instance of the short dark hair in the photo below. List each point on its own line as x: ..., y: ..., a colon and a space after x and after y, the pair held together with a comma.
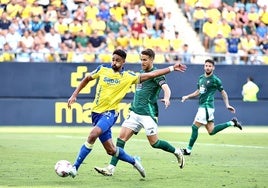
x: 121, y: 53
x: 210, y: 61
x: 149, y: 52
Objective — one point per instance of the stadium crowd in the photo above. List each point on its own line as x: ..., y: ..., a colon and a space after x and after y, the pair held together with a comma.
x: 89, y: 31
x: 235, y: 29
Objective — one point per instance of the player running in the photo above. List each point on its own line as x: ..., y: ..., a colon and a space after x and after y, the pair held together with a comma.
x: 207, y: 85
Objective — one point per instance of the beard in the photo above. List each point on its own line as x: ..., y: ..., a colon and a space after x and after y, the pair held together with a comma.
x: 115, y: 68
x: 208, y: 73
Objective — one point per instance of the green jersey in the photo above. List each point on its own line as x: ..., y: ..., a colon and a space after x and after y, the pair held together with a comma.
x: 146, y: 96
x: 207, y: 87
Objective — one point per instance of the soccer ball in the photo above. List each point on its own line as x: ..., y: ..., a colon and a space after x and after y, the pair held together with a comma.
x: 62, y: 168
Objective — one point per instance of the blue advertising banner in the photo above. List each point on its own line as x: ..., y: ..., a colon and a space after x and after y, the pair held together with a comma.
x: 37, y: 94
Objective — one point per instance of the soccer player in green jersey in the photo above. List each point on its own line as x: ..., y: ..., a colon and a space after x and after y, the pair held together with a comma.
x: 113, y: 84
x: 207, y: 85
x: 144, y: 113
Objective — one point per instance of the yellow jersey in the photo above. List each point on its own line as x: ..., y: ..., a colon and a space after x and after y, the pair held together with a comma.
x: 112, y: 87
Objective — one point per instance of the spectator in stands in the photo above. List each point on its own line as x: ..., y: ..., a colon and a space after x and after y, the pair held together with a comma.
x: 38, y: 54
x: 219, y: 47
x: 113, y: 25
x: 7, y: 55
x: 23, y: 54
x: 86, y: 27
x: 253, y: 15
x: 185, y: 54
x: 169, y: 26
x: 125, y: 24
x: 148, y: 42
x: 104, y: 12
x: 36, y: 24
x: 81, y: 40
x: 99, y: 25
x: 264, y: 45
x: 37, y: 10
x: 39, y: 37
x: 224, y: 28
x: 232, y: 48
x: 133, y: 13
x: 111, y: 44
x: 27, y: 39
x: 63, y: 11
x: 91, y: 11
x: 135, y: 41
x: 53, y: 39
x: 172, y: 56
x: 122, y: 40
x: 26, y: 10
x: 250, y: 28
x: 96, y: 43
x: 16, y: 24
x: 229, y: 15
x: 47, y: 24
x: 149, y: 28
x: 53, y: 56
x: 138, y: 26
x: 118, y: 12
x: 79, y: 13
x: 263, y: 12
x: 68, y: 39
x: 4, y: 21
x: 250, y: 90
x: 77, y: 56
x: 51, y: 14
x: 213, y: 13
x: 210, y: 30
x: 75, y: 27
x: 199, y: 17
x: 60, y: 26
x: 248, y: 46
x: 163, y: 43
x: 13, y: 8
x: 242, y: 16
x: 262, y: 31
x: 13, y: 38
x: 177, y: 42
x: 3, y: 40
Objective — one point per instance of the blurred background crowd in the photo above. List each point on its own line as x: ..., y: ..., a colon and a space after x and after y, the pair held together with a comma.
x: 232, y: 32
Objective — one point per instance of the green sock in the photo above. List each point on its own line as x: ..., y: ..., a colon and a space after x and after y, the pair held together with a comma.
x: 120, y: 143
x: 194, y: 136
x: 164, y: 145
x: 220, y: 127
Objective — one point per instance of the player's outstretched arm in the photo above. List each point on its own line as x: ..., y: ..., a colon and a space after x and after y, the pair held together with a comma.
x: 176, y: 67
x: 82, y: 84
x: 191, y: 95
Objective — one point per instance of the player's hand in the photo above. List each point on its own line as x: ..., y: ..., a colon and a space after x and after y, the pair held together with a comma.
x: 184, y: 98
x: 71, y: 100
x: 232, y: 109
x: 180, y: 67
x: 166, y: 102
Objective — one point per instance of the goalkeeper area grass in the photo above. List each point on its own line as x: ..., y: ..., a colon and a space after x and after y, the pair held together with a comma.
x: 231, y: 158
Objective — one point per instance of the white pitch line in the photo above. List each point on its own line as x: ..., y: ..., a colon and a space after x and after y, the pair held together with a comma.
x: 173, y: 142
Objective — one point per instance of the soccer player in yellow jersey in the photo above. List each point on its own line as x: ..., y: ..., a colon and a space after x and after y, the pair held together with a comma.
x: 113, y: 84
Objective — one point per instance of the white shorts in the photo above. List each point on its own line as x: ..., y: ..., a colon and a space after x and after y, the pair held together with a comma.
x: 204, y: 115
x: 136, y: 122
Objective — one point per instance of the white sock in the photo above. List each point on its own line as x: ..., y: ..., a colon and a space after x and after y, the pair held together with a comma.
x: 178, y: 151
x: 111, y: 167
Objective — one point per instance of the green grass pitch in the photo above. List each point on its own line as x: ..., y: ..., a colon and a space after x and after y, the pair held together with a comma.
x: 232, y: 158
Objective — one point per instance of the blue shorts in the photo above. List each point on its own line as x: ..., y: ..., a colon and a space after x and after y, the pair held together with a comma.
x: 105, y: 121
